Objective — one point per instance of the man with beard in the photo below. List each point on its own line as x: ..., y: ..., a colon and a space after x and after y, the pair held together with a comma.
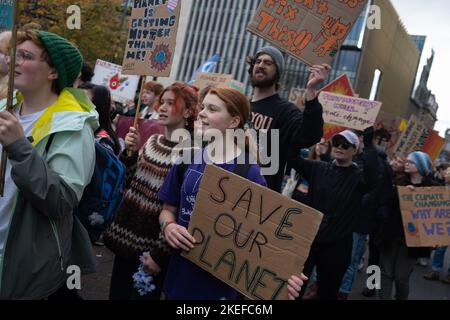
x: 270, y: 112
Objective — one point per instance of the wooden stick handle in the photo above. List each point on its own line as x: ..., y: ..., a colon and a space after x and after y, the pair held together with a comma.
x: 138, y: 109
x: 10, y: 97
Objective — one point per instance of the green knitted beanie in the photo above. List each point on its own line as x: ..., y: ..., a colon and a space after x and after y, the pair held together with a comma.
x: 65, y: 57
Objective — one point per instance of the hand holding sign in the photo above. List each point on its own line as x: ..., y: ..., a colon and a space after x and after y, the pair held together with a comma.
x: 178, y: 237
x: 132, y: 140
x: 10, y: 128
x: 319, y: 73
x: 295, y: 285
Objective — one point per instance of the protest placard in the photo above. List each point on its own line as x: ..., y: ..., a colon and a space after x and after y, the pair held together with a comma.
x: 248, y: 236
x: 296, y: 97
x: 340, y: 85
x: 393, y: 126
x: 433, y: 145
x: 349, y: 112
x: 122, y: 87
x: 152, y: 37
x: 411, y: 138
x: 209, y: 79
x: 330, y: 130
x: 311, y: 31
x: 236, y: 85
x: 146, y: 128
x: 6, y: 15
x: 426, y: 216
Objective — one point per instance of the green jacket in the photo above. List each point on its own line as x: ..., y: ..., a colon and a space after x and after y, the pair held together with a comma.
x: 44, y: 238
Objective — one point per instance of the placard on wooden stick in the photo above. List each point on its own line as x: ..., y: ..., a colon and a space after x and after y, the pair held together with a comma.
x: 309, y: 30
x: 410, y: 138
x: 250, y: 237
x: 123, y: 88
x: 152, y: 37
x: 6, y: 14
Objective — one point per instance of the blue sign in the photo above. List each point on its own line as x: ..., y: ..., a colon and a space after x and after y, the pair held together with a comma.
x: 6, y: 14
x: 207, y: 66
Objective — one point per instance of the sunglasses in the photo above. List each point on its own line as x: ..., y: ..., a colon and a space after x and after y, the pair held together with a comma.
x: 342, y: 144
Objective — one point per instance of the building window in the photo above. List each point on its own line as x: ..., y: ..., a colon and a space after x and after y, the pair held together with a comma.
x: 375, y: 84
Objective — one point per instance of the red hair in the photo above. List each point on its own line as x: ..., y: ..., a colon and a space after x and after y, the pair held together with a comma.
x: 184, y: 94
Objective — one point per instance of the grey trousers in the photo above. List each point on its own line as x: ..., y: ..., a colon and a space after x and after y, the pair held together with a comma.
x: 396, y: 267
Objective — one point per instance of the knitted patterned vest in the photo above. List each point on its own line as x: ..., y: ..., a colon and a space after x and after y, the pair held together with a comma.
x: 135, y: 228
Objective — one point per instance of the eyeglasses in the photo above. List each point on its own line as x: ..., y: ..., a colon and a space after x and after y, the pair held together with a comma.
x: 22, y: 56
x: 267, y: 63
x: 343, y: 145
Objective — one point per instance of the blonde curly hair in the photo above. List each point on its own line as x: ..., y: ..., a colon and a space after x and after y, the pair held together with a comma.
x: 5, y: 42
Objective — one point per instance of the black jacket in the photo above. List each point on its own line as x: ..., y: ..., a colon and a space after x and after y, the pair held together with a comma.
x: 297, y: 130
x: 379, y: 196
x: 338, y: 191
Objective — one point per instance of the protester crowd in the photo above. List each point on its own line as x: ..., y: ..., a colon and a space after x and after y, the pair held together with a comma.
x: 61, y: 142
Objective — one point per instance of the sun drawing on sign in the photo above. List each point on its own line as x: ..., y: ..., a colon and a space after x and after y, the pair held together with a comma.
x: 160, y: 57
x: 339, y: 89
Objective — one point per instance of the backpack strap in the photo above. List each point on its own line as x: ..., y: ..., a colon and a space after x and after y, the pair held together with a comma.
x: 49, y: 142
x: 182, y: 167
x: 242, y: 169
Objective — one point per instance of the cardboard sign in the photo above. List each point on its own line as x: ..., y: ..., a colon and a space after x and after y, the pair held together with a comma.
x: 350, y: 112
x: 330, y: 130
x: 394, y: 126
x: 6, y: 14
x: 426, y: 216
x: 250, y: 237
x: 205, y: 79
x: 146, y: 128
x: 434, y: 145
x: 152, y: 37
x: 310, y: 31
x: 296, y: 97
x: 340, y: 85
x: 410, y: 139
x: 236, y: 85
x: 122, y: 87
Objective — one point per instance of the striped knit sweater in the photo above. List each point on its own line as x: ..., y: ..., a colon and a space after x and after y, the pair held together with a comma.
x: 135, y: 228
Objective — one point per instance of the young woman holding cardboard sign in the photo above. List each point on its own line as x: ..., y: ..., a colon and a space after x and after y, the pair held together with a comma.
x: 396, y: 259
x: 221, y: 110
x: 135, y: 228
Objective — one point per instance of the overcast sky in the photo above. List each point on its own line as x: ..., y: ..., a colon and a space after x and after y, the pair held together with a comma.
x: 432, y: 18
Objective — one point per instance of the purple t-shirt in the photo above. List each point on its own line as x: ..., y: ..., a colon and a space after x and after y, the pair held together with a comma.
x: 185, y: 280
